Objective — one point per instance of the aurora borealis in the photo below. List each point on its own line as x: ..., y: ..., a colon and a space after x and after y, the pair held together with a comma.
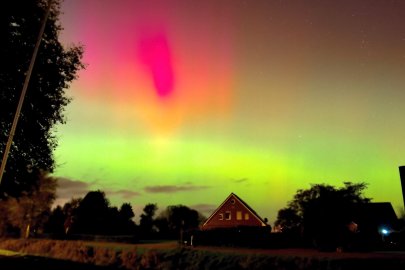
x: 184, y: 102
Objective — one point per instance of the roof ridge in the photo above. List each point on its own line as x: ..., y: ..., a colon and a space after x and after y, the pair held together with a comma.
x: 242, y: 202
x: 250, y: 208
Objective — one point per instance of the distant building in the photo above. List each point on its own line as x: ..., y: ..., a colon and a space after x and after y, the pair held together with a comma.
x: 374, y: 217
x: 232, y: 213
x: 372, y: 225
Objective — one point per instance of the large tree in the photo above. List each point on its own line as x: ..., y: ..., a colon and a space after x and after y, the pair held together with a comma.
x: 29, y: 212
x: 322, y: 212
x: 55, y: 68
x: 93, y: 214
x: 176, y: 219
x: 126, y: 225
x: 147, y: 222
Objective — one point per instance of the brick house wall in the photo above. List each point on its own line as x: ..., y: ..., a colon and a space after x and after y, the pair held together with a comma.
x: 233, y: 212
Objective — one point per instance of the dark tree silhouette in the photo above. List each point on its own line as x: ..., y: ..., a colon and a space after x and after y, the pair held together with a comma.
x: 62, y: 218
x: 55, y: 68
x: 70, y: 212
x: 93, y: 214
x: 126, y: 212
x: 288, y: 220
x: 177, y: 219
x: 56, y: 222
x: 125, y: 216
x: 112, y: 222
x: 146, y: 223
x: 322, y: 212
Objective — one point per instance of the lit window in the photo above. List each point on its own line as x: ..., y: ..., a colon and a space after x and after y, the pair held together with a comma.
x: 246, y: 216
x: 228, y: 215
x: 239, y: 215
x: 221, y: 216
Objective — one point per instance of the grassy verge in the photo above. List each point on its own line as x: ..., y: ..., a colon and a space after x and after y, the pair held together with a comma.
x: 4, y: 252
x: 173, y: 257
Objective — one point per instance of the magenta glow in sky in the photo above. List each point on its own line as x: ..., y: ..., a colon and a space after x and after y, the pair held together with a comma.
x: 154, y: 53
x: 184, y: 102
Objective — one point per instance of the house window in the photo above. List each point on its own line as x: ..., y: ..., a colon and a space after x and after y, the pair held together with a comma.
x: 246, y: 216
x: 232, y: 201
x: 228, y: 215
x: 239, y: 215
x: 221, y: 216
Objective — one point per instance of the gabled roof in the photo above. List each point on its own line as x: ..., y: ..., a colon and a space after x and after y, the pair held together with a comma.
x: 243, y: 203
x: 376, y: 213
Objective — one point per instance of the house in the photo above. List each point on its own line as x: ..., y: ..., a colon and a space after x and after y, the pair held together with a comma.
x: 371, y: 226
x: 233, y: 213
x: 374, y: 217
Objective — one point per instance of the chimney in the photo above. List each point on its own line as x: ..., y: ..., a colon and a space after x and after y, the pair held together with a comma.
x: 402, y: 175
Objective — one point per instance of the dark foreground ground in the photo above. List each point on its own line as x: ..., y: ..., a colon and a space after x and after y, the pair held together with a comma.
x: 27, y: 262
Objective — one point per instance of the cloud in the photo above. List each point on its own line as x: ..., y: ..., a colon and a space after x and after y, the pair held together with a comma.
x: 238, y: 181
x: 126, y: 194
x: 204, y: 208
x: 68, y: 189
x: 173, y: 188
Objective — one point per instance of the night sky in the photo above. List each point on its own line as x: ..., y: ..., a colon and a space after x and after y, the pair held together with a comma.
x: 184, y: 102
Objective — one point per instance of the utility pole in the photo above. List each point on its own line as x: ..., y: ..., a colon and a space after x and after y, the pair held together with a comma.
x: 23, y: 92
